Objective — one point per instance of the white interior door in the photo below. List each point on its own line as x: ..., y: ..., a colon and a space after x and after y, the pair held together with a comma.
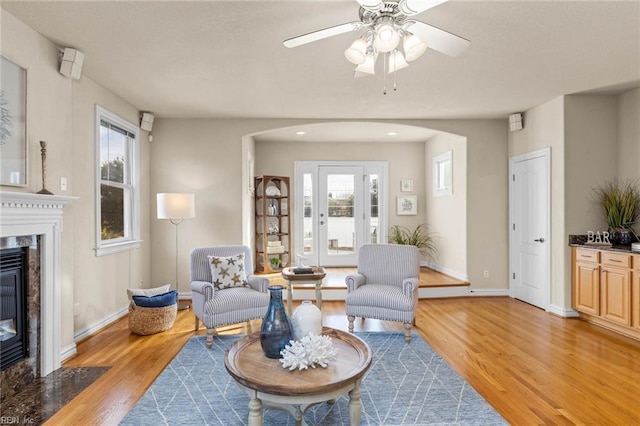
x: 530, y: 228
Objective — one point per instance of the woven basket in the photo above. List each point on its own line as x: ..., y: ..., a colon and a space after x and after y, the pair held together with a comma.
x: 145, y: 321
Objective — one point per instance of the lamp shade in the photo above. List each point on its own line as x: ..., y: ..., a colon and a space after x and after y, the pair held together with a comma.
x: 396, y: 61
x: 176, y: 206
x: 413, y: 47
x: 357, y: 51
x: 368, y: 66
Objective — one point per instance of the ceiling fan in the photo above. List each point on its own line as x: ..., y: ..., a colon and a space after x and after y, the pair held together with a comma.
x: 387, y: 24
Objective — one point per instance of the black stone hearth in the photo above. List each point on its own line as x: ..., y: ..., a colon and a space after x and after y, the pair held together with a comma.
x: 41, y: 399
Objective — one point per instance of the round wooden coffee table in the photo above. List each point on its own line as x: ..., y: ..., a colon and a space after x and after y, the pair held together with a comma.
x: 267, y: 383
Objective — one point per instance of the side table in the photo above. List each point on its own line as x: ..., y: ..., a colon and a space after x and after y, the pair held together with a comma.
x: 314, y: 278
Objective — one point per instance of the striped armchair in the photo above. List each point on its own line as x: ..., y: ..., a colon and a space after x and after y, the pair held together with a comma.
x: 216, y: 308
x: 386, y: 285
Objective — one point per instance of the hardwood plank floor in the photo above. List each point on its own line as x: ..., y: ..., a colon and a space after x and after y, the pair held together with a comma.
x: 531, y: 366
x: 335, y: 278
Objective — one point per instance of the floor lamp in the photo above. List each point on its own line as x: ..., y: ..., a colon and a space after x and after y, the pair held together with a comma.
x: 176, y: 208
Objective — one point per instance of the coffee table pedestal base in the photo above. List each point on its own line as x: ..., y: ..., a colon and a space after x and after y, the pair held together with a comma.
x: 296, y: 406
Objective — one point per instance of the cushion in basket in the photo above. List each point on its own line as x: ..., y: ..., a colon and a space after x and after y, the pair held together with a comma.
x: 228, y: 271
x: 147, y: 291
x: 158, y: 301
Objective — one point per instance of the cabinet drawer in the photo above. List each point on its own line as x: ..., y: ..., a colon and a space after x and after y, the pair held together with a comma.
x: 616, y: 259
x: 586, y: 255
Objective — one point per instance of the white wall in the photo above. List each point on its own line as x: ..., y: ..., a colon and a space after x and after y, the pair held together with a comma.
x: 205, y: 156
x: 629, y: 135
x: 447, y: 215
x: 100, y: 283
x: 592, y: 138
x: 61, y: 112
x: 49, y: 110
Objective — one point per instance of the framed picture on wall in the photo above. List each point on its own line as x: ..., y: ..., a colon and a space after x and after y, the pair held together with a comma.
x: 406, y: 185
x: 407, y: 205
x: 13, y: 123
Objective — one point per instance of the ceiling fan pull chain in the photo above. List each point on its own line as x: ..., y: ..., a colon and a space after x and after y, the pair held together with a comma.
x: 395, y: 71
x: 384, y: 74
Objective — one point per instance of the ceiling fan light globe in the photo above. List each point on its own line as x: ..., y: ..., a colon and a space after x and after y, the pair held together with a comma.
x: 386, y: 37
x: 413, y: 47
x: 356, y: 52
x: 368, y: 66
x: 396, y: 61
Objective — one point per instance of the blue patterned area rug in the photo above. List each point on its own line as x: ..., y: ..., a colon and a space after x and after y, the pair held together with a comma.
x: 408, y: 384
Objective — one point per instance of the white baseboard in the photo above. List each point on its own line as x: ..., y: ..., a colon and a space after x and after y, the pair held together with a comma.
x: 488, y: 292
x: 68, y: 352
x: 455, y: 274
x: 562, y: 311
x: 95, y: 327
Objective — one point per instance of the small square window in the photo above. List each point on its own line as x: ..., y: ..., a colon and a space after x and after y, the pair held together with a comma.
x: 443, y: 174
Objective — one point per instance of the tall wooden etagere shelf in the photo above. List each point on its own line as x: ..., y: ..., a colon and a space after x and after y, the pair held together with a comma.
x: 272, y: 224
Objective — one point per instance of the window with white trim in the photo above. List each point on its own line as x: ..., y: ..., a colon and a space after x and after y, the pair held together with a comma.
x: 117, y: 198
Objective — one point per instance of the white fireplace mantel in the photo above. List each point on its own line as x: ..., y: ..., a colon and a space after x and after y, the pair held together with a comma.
x: 24, y: 214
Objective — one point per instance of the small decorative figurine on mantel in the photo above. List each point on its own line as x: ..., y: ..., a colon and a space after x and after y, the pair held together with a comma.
x: 43, y: 153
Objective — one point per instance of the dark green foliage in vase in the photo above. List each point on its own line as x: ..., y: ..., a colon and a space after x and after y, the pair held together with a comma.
x: 620, y: 202
x: 419, y: 237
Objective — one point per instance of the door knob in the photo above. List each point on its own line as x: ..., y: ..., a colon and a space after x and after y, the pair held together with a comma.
x: 540, y: 240
x: 321, y: 222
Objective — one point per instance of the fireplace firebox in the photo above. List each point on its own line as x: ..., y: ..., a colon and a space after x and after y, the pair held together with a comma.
x: 13, y: 306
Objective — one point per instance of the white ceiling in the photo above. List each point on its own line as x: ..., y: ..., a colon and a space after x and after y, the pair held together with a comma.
x: 226, y: 58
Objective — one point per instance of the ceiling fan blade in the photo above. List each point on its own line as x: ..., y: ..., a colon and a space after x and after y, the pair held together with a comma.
x: 413, y: 7
x: 372, y: 5
x: 437, y: 39
x: 325, y: 33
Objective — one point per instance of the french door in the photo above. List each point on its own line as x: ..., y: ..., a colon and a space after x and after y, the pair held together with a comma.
x: 338, y: 208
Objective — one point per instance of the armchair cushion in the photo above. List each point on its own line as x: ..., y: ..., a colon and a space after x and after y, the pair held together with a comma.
x: 383, y: 296
x: 158, y: 301
x: 228, y: 271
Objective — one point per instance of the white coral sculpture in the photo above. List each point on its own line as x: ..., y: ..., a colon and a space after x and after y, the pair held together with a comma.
x: 307, y: 352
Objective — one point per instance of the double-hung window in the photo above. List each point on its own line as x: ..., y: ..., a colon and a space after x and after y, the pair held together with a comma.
x: 117, y: 197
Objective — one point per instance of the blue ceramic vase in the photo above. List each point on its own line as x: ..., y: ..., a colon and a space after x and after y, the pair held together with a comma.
x: 276, y: 330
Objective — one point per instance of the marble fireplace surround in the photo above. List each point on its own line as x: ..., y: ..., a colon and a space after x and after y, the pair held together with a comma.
x: 25, y: 214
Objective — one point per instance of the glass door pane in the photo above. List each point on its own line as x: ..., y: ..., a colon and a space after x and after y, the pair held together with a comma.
x: 340, y: 215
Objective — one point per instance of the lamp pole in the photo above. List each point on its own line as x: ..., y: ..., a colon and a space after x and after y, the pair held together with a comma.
x: 181, y: 305
x: 176, y: 207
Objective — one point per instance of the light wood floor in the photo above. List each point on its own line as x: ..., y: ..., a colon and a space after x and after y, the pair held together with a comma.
x: 335, y: 278
x: 531, y: 366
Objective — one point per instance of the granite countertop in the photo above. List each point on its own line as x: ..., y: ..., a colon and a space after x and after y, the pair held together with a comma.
x: 581, y: 241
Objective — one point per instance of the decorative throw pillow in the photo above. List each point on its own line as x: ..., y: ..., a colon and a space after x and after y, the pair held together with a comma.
x: 158, y: 301
x: 228, y: 271
x: 147, y: 291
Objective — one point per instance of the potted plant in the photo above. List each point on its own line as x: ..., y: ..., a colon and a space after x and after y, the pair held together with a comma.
x: 620, y: 202
x: 275, y: 263
x: 419, y: 237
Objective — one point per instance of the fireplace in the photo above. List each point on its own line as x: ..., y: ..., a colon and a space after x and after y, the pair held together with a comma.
x: 32, y: 223
x: 14, y: 273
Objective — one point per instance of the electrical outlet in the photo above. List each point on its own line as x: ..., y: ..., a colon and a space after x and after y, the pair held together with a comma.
x: 63, y: 184
x: 486, y: 273
x: 76, y: 309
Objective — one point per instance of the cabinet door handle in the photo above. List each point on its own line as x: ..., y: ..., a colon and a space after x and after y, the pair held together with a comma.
x: 539, y: 240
